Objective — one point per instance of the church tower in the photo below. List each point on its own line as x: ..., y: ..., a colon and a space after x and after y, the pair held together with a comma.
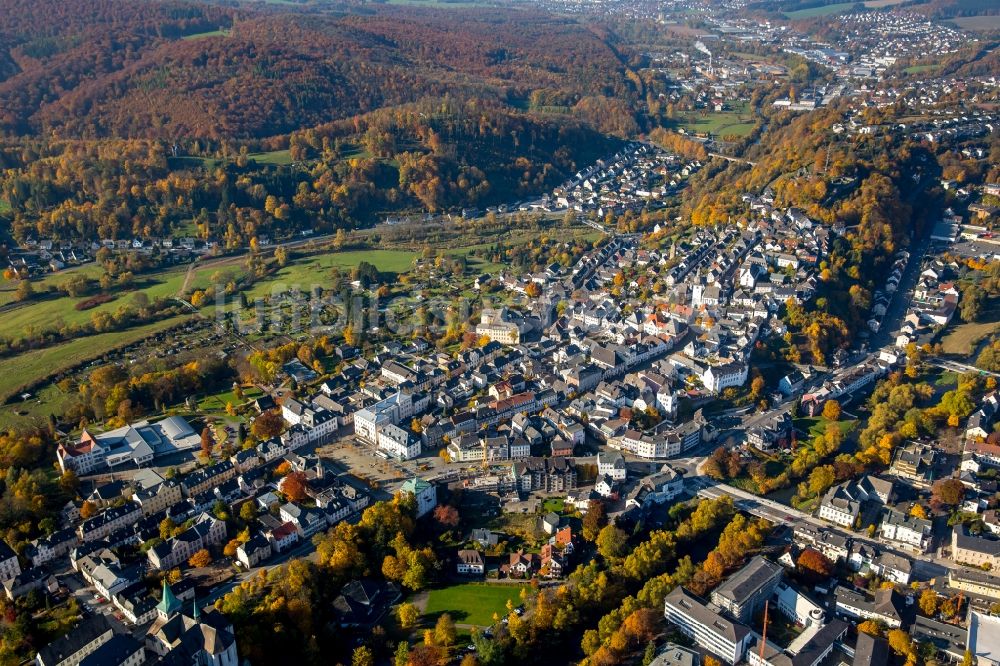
x: 169, y: 605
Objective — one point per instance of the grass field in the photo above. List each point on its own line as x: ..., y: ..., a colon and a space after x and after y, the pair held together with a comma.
x: 825, y: 10
x: 210, y: 33
x: 217, y: 401
x: 978, y: 23
x: 275, y: 157
x: 90, y: 270
x: 816, y: 425
x: 316, y: 270
x: 18, y: 370
x: 961, y: 339
x: 878, y: 4
x: 738, y: 121
x: 920, y: 69
x: 49, y: 313
x: 473, y: 603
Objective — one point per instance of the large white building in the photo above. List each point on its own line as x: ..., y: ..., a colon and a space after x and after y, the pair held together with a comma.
x: 134, y: 445
x: 717, y: 378
x: 397, y: 442
x: 391, y: 411
x: 708, y: 629
x: 500, y: 325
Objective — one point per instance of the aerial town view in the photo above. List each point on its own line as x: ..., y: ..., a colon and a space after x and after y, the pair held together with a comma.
x: 489, y: 332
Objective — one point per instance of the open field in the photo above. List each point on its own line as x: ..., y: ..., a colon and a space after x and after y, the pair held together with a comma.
x: 962, y: 338
x: 51, y: 313
x: 90, y: 270
x: 920, y: 69
x: 316, y: 270
x: 878, y: 4
x: 825, y: 10
x: 48, y: 400
x: 22, y: 369
x: 210, y: 33
x: 816, y: 425
x: 217, y: 401
x: 473, y: 603
x: 977, y: 23
x: 738, y: 121
x: 275, y: 157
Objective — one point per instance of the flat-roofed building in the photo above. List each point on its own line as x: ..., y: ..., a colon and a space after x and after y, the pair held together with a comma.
x: 747, y: 589
x: 705, y: 625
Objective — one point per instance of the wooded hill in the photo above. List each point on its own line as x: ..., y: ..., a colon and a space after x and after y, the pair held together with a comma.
x: 172, y: 70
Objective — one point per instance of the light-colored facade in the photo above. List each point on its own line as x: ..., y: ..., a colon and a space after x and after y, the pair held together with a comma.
x: 708, y: 629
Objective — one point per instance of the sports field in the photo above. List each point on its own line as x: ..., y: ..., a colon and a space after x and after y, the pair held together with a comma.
x: 473, y: 603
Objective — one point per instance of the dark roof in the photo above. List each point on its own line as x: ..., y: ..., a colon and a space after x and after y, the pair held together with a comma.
x: 364, y: 602
x: 871, y: 651
x: 747, y: 581
x: 84, y: 633
x: 113, y: 653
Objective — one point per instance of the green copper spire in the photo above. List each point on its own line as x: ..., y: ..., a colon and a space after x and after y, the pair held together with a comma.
x: 169, y: 605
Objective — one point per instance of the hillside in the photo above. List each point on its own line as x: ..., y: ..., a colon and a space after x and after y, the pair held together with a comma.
x: 94, y: 68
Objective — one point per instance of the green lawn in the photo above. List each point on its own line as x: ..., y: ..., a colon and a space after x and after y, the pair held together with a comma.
x: 48, y: 400
x: 17, y: 371
x: 816, y: 425
x: 738, y: 120
x: 825, y: 10
x: 50, y: 313
x: 275, y: 157
x: 210, y: 33
x: 315, y: 270
x: 554, y: 504
x: 473, y: 603
x: 217, y: 401
x: 91, y: 270
x: 920, y: 69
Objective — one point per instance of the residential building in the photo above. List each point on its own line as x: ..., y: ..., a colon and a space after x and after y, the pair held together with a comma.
x: 83, y: 640
x: 886, y: 607
x: 907, y: 530
x: 470, y: 563
x: 9, y: 565
x: 206, y: 532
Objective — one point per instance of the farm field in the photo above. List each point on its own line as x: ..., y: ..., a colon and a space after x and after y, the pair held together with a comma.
x: 24, y: 368
x: 978, y: 23
x: 472, y: 603
x: 824, y: 10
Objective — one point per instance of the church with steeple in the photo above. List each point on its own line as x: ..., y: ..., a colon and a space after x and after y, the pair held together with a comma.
x: 205, y: 639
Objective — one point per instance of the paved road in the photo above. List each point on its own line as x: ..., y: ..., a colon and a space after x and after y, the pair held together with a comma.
x: 955, y: 366
x: 925, y: 566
